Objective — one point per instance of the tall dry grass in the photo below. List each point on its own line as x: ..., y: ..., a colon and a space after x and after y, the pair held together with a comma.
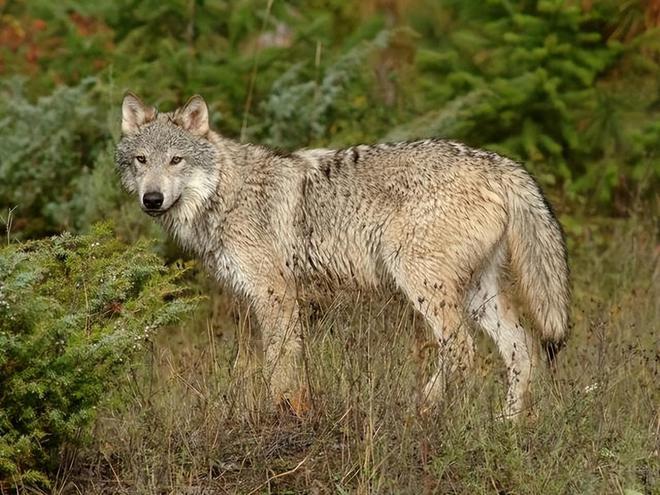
x: 195, y: 418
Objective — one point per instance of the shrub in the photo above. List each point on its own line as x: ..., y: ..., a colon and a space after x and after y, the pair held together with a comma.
x: 299, y: 110
x: 544, y: 82
x: 74, y: 312
x: 46, y: 145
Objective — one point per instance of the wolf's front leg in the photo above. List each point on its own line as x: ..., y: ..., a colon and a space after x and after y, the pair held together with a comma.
x: 279, y: 318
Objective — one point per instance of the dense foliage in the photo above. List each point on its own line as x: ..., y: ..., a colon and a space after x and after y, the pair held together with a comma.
x: 570, y: 89
x: 45, y: 148
x: 521, y: 78
x: 74, y: 310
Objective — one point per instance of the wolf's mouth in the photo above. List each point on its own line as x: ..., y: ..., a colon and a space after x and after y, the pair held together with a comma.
x: 154, y: 213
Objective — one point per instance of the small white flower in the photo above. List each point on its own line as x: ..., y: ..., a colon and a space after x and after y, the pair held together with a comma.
x: 590, y: 388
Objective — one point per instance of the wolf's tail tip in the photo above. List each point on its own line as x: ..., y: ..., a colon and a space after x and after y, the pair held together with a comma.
x: 552, y: 349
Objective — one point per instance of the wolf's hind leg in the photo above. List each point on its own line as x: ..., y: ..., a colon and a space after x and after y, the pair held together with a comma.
x: 492, y: 310
x: 440, y: 303
x: 455, y: 347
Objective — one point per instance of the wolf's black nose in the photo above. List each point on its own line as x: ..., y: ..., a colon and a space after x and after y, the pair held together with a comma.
x: 152, y: 200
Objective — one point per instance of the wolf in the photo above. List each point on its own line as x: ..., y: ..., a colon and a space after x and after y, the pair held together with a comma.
x: 465, y: 235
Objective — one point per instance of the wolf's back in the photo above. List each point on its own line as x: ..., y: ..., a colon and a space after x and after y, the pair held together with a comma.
x: 538, y: 258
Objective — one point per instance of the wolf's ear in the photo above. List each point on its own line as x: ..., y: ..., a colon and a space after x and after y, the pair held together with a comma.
x: 134, y: 113
x: 194, y: 116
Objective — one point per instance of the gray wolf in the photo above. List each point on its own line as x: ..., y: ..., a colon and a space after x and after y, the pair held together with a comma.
x: 466, y: 235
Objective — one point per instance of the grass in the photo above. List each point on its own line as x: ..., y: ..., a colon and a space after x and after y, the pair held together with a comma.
x: 194, y: 420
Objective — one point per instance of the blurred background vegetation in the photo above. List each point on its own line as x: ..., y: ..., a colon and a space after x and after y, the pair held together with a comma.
x: 571, y: 88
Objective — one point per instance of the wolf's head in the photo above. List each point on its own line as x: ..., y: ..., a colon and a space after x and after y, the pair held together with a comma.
x: 166, y: 159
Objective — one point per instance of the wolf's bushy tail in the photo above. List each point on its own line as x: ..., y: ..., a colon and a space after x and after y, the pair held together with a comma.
x: 538, y: 259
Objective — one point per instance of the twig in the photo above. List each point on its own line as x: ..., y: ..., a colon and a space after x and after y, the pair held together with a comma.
x: 293, y: 470
x: 253, y: 74
x: 8, y: 222
x: 280, y: 475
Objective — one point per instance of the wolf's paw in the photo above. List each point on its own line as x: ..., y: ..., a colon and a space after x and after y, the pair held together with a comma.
x: 296, y: 402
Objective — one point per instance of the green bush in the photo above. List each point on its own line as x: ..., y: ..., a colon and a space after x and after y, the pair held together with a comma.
x: 545, y: 82
x: 517, y: 77
x: 46, y: 147
x: 299, y: 110
x: 74, y: 312
x: 569, y: 88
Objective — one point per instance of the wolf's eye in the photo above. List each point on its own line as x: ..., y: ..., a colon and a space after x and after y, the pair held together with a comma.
x: 141, y: 158
x: 175, y: 160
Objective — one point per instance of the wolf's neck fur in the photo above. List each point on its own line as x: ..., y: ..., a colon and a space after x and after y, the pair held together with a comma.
x: 210, y: 194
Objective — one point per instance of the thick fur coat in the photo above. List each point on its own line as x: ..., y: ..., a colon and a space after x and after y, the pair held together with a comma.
x: 464, y: 234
